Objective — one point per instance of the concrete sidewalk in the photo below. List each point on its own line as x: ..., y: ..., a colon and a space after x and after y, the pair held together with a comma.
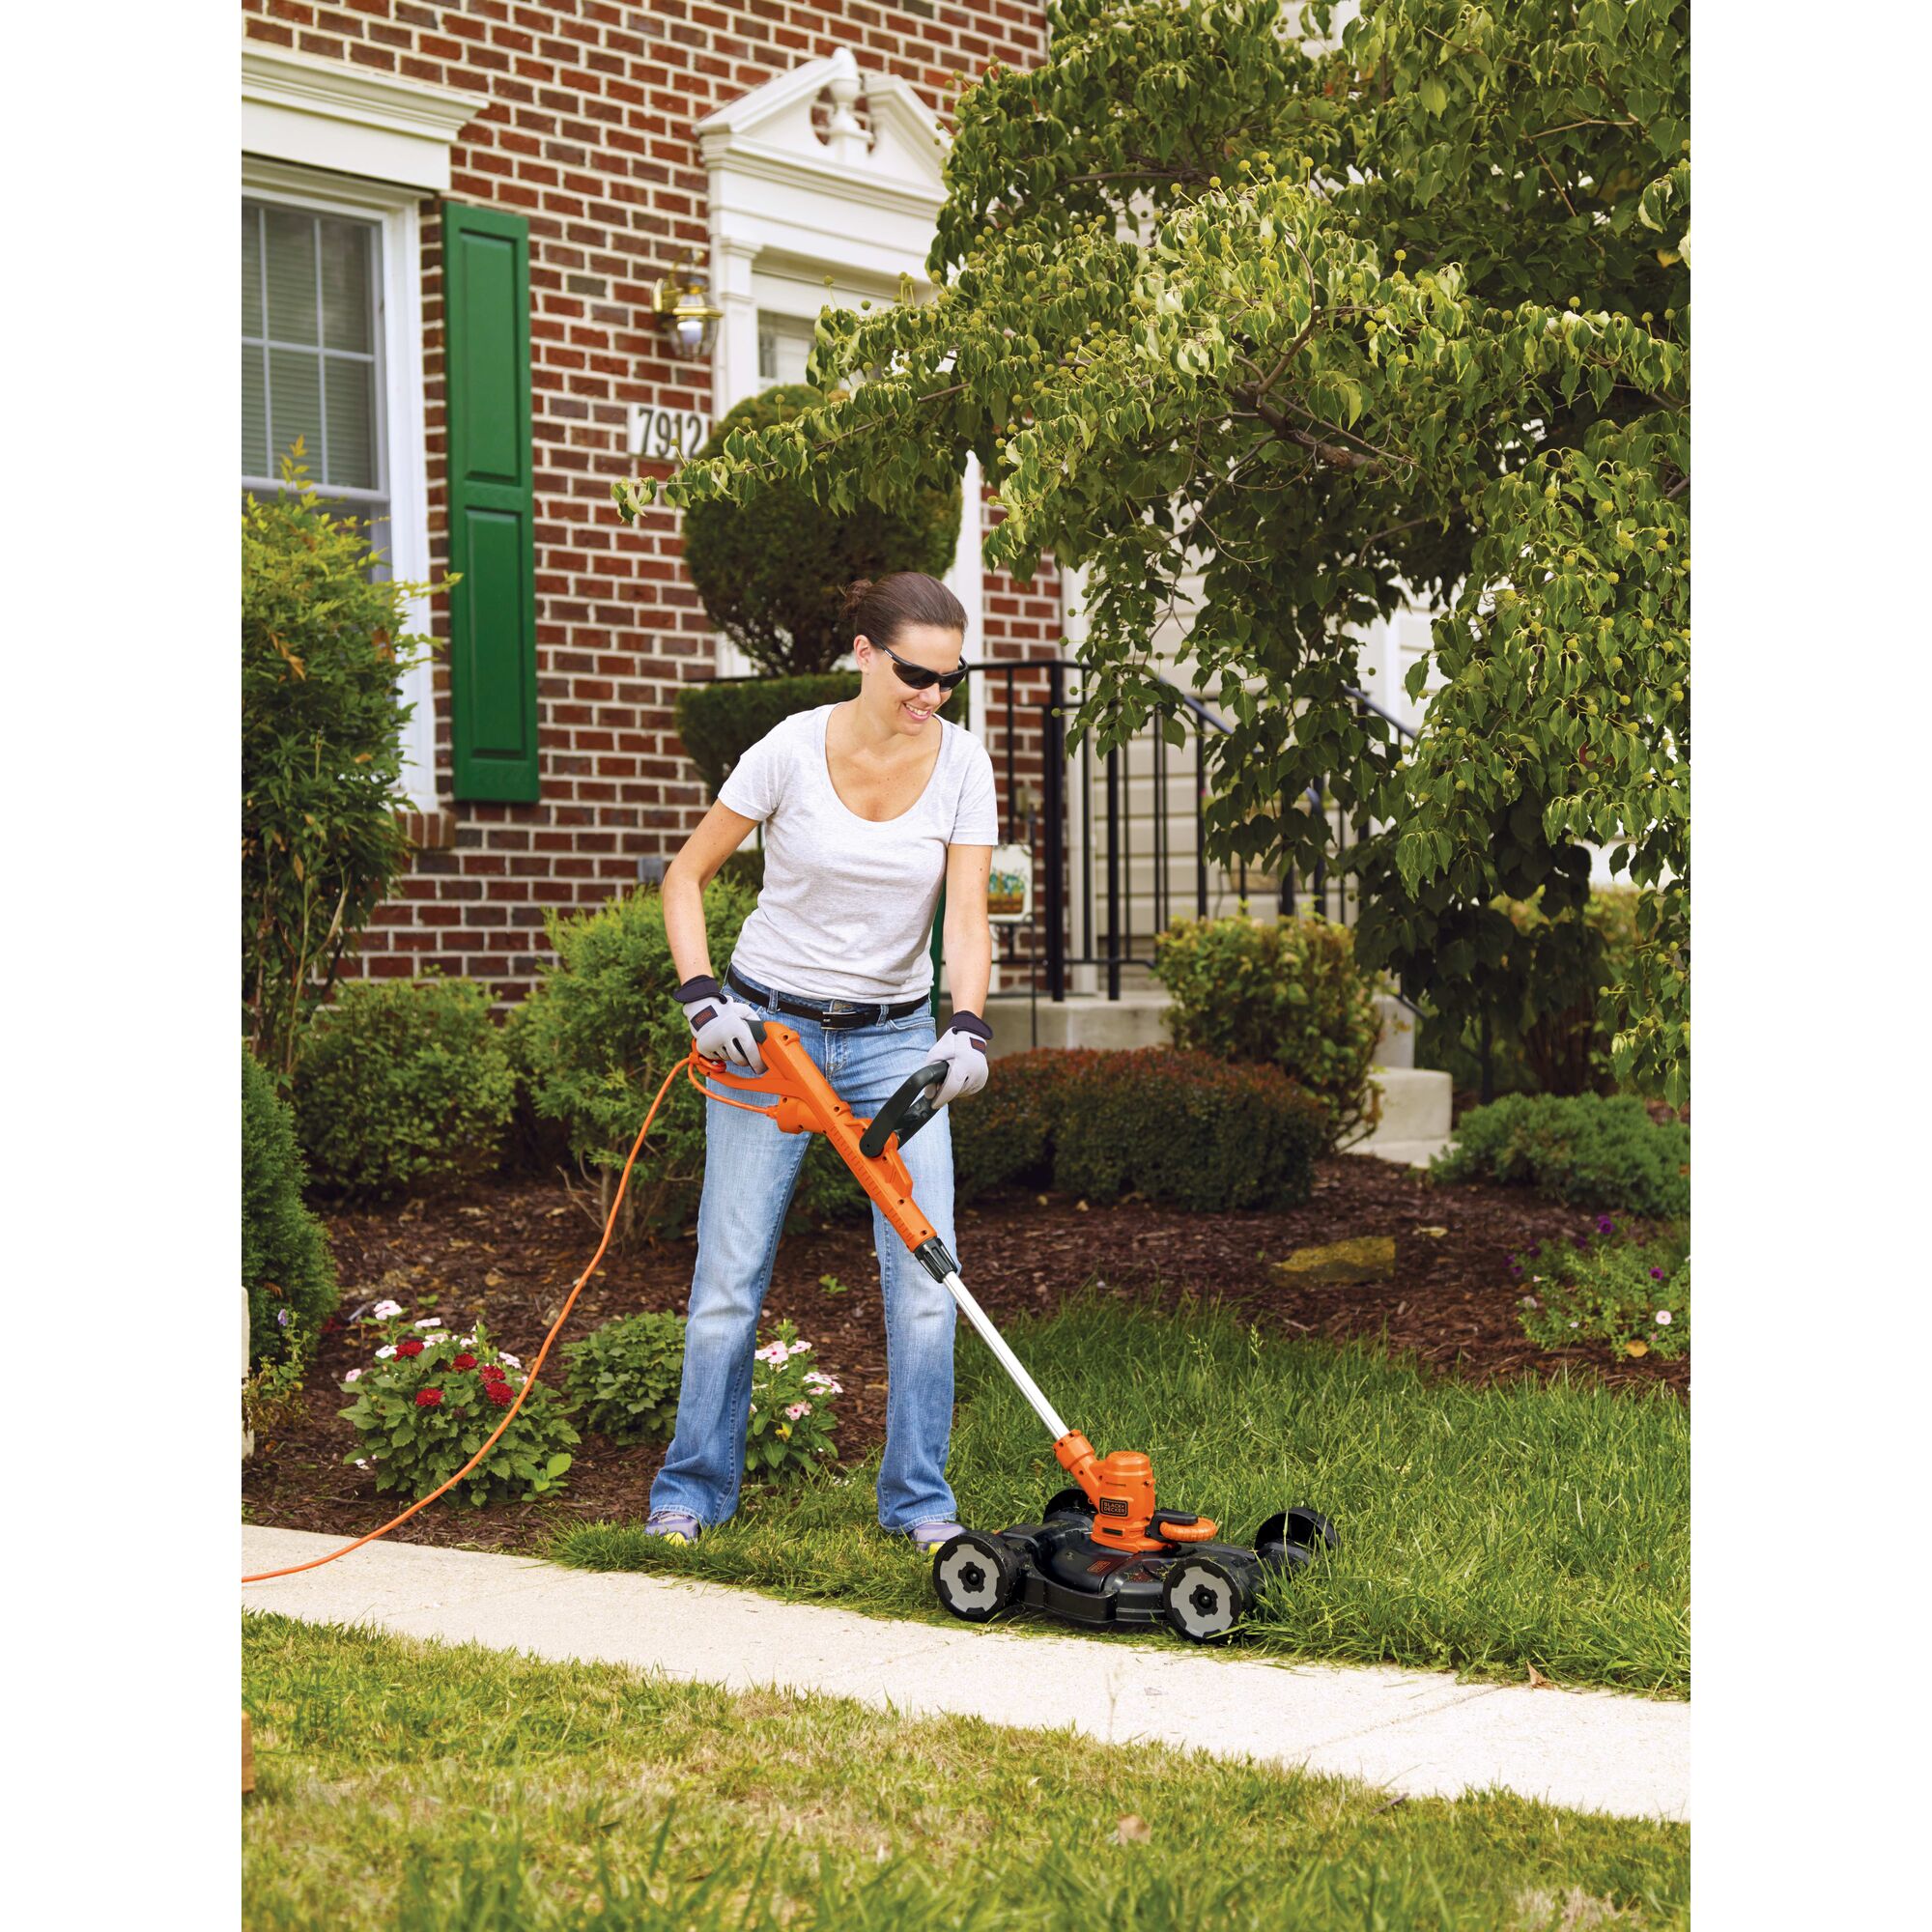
x: 1418, y: 1733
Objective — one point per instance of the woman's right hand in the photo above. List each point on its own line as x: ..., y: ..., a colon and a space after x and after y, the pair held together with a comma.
x: 720, y: 1026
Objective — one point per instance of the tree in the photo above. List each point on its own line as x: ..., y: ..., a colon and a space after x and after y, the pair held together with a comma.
x: 323, y: 645
x: 1402, y: 306
x: 772, y: 572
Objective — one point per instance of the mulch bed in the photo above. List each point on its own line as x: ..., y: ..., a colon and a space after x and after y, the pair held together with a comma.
x: 507, y: 1251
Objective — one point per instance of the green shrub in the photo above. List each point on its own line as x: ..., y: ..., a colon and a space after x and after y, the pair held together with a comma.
x: 599, y: 1034
x: 402, y: 1088
x: 1632, y: 1294
x: 1004, y: 1134
x: 322, y: 644
x: 792, y: 1422
x: 1186, y: 1130
x: 429, y: 1400
x: 1180, y: 1130
x: 286, y: 1265
x: 773, y: 571
x: 1586, y: 1150
x: 623, y: 1377
x: 1286, y: 994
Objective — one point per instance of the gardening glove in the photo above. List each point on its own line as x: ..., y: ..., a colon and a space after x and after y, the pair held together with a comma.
x: 719, y: 1024
x: 961, y: 1049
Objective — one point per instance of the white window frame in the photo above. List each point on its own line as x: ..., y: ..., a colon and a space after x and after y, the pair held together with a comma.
x: 394, y: 207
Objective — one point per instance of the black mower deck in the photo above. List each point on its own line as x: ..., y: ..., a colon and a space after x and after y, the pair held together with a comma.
x: 1200, y: 1590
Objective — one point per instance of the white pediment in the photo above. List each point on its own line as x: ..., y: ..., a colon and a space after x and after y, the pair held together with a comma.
x: 768, y: 133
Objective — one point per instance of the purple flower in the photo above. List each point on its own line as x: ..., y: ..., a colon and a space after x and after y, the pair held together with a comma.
x: 1656, y: 1274
x: 1605, y: 1225
x: 1536, y: 1250
x: 1582, y: 1241
x: 282, y: 1318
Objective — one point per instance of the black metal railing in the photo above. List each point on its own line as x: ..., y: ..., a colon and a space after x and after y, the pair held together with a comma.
x: 1066, y: 877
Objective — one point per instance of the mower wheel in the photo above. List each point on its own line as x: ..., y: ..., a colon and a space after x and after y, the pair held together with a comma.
x: 1201, y: 1600
x: 976, y: 1577
x: 1068, y: 1503
x: 1290, y: 1539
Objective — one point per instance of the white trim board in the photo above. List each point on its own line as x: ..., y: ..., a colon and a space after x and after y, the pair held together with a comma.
x: 400, y: 403
x: 325, y: 114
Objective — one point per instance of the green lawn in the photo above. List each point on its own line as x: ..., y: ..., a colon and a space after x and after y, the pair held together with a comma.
x: 1487, y: 1529
x: 421, y: 1788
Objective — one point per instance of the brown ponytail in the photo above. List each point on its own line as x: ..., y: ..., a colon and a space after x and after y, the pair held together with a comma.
x: 880, y: 610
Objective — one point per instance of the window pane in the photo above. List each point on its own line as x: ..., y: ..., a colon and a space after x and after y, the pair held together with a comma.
x: 345, y: 287
x: 251, y: 271
x: 351, y: 423
x: 295, y: 407
x: 290, y: 240
x: 254, y: 414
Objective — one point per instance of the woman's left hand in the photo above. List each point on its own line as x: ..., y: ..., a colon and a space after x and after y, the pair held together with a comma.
x: 961, y: 1049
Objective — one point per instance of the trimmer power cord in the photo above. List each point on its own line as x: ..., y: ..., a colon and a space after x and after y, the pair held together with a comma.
x: 690, y: 1061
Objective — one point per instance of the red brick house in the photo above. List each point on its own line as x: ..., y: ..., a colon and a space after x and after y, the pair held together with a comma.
x: 454, y: 222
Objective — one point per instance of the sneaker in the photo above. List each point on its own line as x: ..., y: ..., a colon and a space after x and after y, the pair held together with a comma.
x: 679, y: 1527
x: 926, y: 1537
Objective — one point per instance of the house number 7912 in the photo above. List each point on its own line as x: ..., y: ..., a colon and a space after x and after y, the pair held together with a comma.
x: 667, y: 435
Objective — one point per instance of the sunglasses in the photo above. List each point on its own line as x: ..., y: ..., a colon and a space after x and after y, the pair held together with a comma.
x: 918, y: 678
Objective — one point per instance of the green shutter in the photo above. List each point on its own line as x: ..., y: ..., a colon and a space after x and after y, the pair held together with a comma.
x: 493, y: 612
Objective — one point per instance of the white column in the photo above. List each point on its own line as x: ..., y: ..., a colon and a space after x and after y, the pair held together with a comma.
x: 734, y: 367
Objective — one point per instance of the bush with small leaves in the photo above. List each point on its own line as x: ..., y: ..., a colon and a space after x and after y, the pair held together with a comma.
x: 623, y: 1377
x: 1584, y: 1149
x: 403, y: 1089
x: 286, y: 1265
x: 1287, y: 993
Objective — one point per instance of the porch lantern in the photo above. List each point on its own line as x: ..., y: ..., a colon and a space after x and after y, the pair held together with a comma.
x: 682, y: 304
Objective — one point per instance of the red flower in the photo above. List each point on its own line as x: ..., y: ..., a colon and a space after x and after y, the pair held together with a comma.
x: 408, y: 1349
x: 428, y: 1398
x: 490, y: 1372
x: 464, y: 1362
x: 500, y: 1393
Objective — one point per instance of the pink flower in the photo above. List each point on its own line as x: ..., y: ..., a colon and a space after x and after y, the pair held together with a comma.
x: 799, y: 1410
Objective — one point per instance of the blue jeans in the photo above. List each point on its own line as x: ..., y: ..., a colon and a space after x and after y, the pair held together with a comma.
x: 749, y: 1171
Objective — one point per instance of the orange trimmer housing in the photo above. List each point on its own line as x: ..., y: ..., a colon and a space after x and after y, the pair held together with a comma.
x: 807, y: 1104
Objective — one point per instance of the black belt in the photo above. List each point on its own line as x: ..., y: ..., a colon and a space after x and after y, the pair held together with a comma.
x: 836, y: 1015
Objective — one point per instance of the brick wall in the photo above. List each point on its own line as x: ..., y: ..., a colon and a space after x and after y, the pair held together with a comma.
x: 588, y: 135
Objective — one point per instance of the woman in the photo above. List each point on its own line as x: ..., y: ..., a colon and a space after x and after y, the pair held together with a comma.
x: 868, y: 807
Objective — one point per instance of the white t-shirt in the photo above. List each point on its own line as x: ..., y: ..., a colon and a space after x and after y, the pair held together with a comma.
x: 847, y: 907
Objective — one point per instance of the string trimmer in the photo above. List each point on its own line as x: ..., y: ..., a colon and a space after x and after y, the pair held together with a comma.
x: 1103, y: 1552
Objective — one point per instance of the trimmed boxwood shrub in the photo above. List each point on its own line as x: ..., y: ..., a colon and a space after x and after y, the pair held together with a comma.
x: 1180, y: 1129
x: 402, y: 1088
x: 1585, y: 1150
x: 773, y: 570
x: 601, y: 1029
x: 1287, y: 993
x: 1004, y: 1132
x: 286, y: 1265
x: 1186, y: 1130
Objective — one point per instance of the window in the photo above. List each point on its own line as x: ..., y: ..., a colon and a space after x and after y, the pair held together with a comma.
x: 783, y: 345
x: 311, y: 366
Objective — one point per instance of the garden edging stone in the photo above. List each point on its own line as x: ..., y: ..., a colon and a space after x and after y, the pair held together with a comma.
x: 1416, y: 1733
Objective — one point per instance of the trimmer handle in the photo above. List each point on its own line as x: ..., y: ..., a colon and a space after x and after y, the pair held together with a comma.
x: 905, y: 1113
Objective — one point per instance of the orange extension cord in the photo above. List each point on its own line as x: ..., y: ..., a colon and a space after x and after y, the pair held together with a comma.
x: 692, y: 1063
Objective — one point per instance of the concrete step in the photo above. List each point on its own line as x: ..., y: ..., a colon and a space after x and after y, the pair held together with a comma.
x: 1416, y: 1103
